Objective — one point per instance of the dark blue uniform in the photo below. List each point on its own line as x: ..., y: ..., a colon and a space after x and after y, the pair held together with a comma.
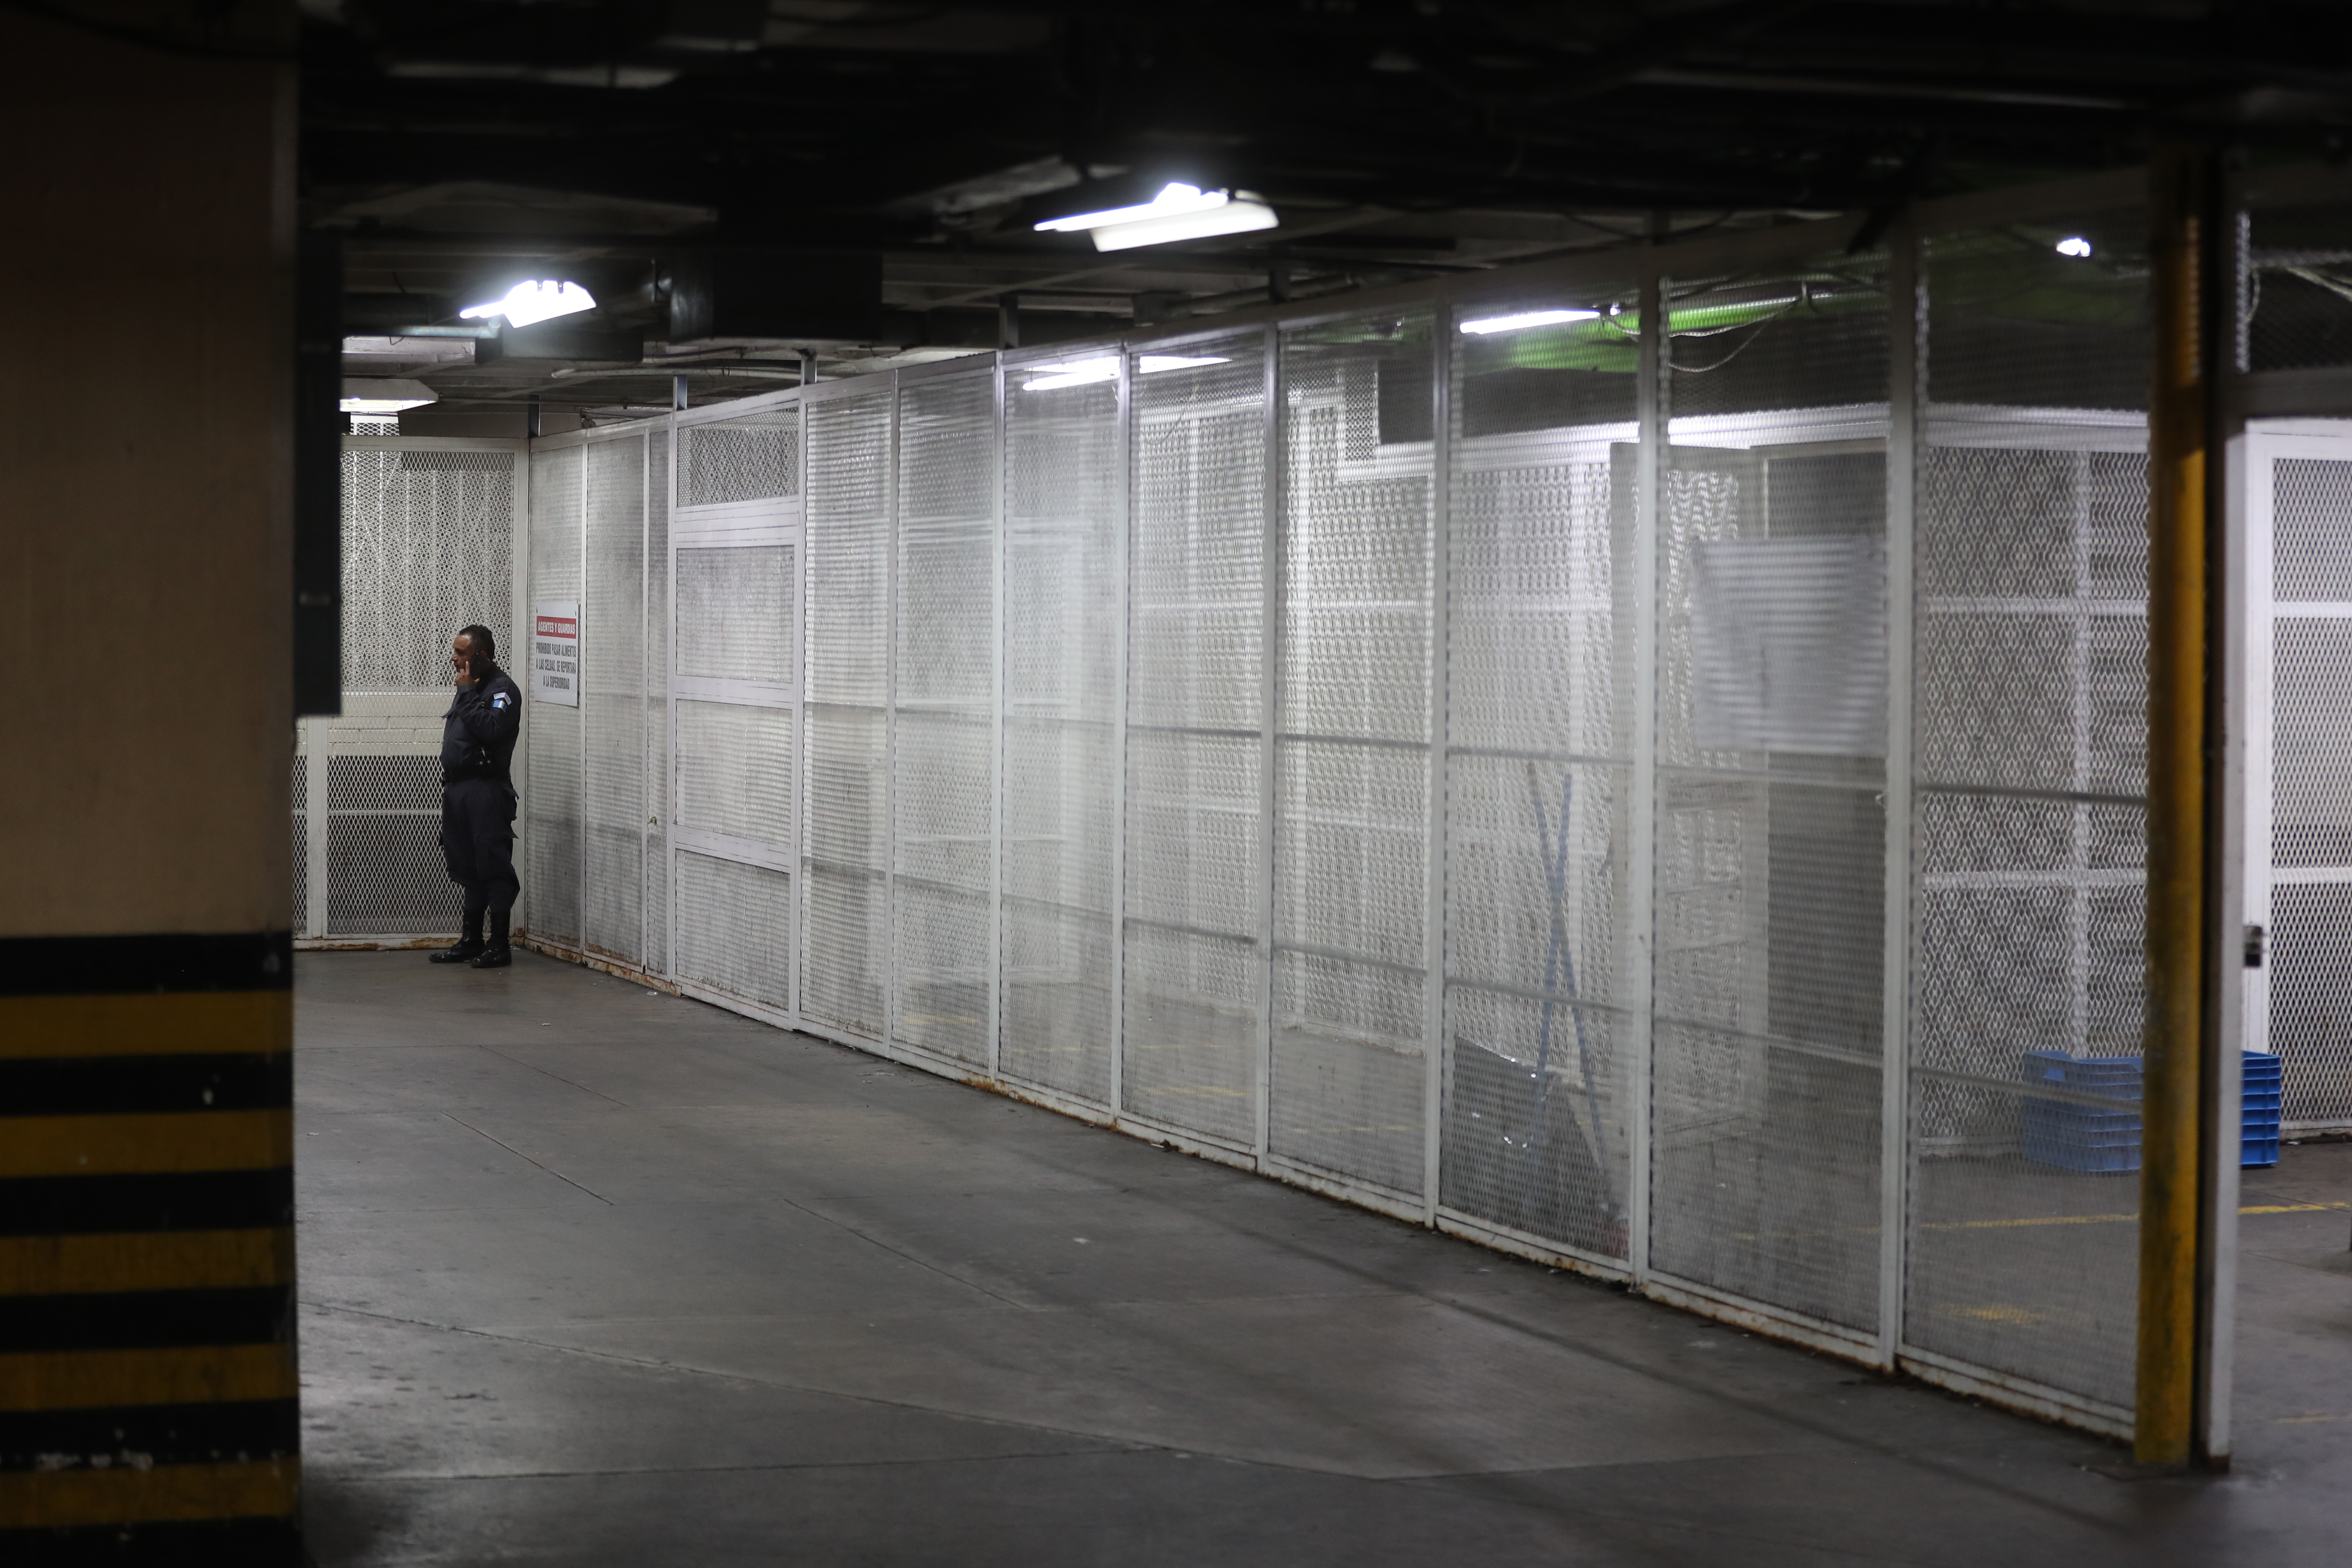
x: 478, y: 797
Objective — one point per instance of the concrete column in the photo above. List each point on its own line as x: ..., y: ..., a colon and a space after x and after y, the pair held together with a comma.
x: 147, y: 1370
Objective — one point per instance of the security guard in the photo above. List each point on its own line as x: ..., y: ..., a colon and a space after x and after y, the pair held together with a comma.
x: 477, y: 796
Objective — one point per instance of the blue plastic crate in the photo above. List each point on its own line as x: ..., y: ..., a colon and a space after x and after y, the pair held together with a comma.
x: 2077, y: 1137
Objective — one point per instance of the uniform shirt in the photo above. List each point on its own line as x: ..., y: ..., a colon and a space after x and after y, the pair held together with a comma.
x: 477, y: 733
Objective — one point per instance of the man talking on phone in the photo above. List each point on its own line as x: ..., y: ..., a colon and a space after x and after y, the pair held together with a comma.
x: 477, y: 796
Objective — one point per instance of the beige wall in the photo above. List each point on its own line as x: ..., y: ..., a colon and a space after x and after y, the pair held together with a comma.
x: 145, y: 536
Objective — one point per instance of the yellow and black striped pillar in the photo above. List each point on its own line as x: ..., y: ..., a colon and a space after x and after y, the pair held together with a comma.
x: 147, y: 1385
x: 147, y: 1372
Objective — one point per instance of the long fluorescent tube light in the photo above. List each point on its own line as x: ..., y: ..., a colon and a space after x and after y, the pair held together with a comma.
x: 533, y: 300
x: 1174, y: 199
x: 384, y: 394
x: 1179, y: 212
x: 1242, y: 214
x: 1088, y: 371
x: 1526, y: 318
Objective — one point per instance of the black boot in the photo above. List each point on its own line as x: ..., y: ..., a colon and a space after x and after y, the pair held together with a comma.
x: 497, y: 954
x: 469, y: 945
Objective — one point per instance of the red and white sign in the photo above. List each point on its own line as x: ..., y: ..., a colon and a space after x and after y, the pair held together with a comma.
x: 555, y: 652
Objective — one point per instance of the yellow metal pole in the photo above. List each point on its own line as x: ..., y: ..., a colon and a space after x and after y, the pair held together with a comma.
x: 2183, y: 180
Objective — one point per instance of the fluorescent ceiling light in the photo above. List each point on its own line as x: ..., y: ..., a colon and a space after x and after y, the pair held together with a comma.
x: 1179, y: 212
x: 1174, y: 199
x: 533, y: 299
x: 1239, y: 215
x: 367, y: 394
x: 1088, y: 371
x: 1528, y: 319
x: 2072, y: 244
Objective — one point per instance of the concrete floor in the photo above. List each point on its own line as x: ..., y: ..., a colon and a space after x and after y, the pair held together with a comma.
x: 594, y: 1277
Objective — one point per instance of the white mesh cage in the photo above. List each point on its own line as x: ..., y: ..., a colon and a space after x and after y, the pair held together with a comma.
x: 1143, y: 724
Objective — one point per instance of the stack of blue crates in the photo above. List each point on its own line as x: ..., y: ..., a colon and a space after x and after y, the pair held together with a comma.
x: 2260, y: 1108
x: 2078, y: 1137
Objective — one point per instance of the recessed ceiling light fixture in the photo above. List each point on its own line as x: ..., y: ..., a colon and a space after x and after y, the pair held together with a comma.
x: 1179, y: 212
x: 1526, y: 318
x: 2072, y: 244
x: 533, y: 301
x: 373, y: 395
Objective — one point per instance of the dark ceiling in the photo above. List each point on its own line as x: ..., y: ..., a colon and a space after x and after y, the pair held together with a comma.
x: 903, y: 151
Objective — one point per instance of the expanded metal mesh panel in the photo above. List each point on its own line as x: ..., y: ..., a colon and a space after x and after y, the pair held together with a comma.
x: 735, y: 613
x: 1061, y: 540
x: 550, y: 880
x: 612, y: 707
x: 735, y: 770
x: 756, y: 457
x: 2311, y: 543
x: 2029, y: 718
x: 1352, y: 756
x: 845, y: 931
x: 385, y: 874
x: 2311, y: 788
x: 943, y: 749
x: 1771, y: 815
x: 658, y: 670
x: 301, y: 845
x: 734, y: 928
x: 1194, y: 971
x: 428, y: 546
x: 845, y: 663
x: 1540, y: 727
x: 2311, y: 999
x: 2296, y: 314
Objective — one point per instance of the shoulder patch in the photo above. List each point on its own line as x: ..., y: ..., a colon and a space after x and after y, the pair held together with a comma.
x: 499, y: 700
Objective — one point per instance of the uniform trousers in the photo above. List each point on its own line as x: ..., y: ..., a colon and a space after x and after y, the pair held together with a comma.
x: 477, y: 842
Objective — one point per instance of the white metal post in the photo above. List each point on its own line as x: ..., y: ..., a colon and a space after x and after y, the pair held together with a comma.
x: 2242, y: 973
x: 644, y: 684
x: 668, y: 870
x: 1641, y: 873
x: 1433, y: 947
x: 1269, y: 696
x: 587, y: 631
x: 887, y: 961
x: 520, y: 627
x: 1122, y: 531
x: 1906, y: 324
x: 999, y: 631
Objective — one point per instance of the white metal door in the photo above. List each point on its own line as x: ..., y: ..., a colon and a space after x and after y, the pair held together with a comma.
x: 2298, y: 829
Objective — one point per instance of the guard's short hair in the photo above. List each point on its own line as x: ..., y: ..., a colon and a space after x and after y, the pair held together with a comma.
x: 486, y: 644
